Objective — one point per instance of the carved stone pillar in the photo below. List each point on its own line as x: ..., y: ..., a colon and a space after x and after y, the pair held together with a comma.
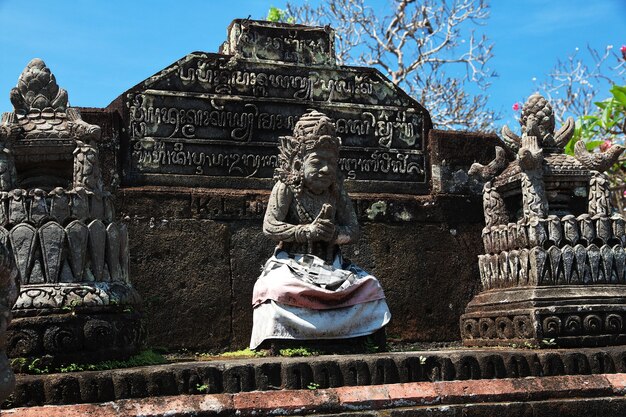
x: 76, y: 301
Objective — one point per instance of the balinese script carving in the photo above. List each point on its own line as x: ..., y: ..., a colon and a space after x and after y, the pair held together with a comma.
x: 210, y: 116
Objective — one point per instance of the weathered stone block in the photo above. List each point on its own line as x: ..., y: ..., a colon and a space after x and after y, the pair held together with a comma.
x: 184, y: 276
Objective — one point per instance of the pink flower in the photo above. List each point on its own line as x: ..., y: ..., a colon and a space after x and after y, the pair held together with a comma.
x: 606, y: 145
x: 516, y: 107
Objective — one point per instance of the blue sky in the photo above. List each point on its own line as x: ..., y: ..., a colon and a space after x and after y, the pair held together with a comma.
x: 98, y: 49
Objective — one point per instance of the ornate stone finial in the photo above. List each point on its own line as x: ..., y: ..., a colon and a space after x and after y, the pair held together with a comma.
x: 37, y: 89
x: 538, y: 121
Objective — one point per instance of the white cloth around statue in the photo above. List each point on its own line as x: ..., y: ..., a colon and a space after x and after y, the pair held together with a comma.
x: 298, y: 297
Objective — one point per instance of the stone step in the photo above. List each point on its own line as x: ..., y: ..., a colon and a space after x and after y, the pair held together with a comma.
x: 562, y: 395
x: 331, y: 371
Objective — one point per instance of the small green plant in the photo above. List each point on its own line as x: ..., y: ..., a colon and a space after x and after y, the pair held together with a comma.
x: 301, y: 351
x: 548, y: 342
x: 243, y: 353
x: 370, y: 345
x: 35, y: 366
x: 313, y: 385
x: 30, y: 366
x: 275, y: 14
x: 202, y: 388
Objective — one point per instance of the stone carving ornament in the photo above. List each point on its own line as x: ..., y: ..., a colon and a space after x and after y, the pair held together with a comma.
x: 307, y: 291
x: 58, y: 223
x: 554, y: 266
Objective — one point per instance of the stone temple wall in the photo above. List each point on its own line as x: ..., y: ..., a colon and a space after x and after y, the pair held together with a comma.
x: 191, y: 152
x: 196, y: 251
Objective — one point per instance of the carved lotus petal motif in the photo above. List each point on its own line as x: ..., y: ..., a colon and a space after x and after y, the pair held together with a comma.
x: 59, y: 207
x: 603, y: 228
x: 80, y: 204
x: 77, y: 236
x: 514, y: 267
x: 554, y: 254
x: 593, y: 257
x: 619, y: 263
x: 511, y: 235
x: 522, y: 236
x: 486, y: 235
x: 555, y: 229
x: 607, y: 274
x: 567, y: 256
x: 23, y: 239
x: 38, y: 209
x: 537, y: 233
x: 537, y: 266
x: 503, y: 265
x: 570, y: 229
x: 494, y: 271
x: 51, y: 236
x: 97, y: 241
x: 582, y: 273
x: 17, y: 210
x: 523, y: 267
x: 483, y: 266
x: 113, y: 252
x: 587, y: 227
x: 617, y: 223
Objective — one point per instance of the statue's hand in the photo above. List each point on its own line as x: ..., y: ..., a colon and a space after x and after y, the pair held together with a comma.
x: 322, y: 229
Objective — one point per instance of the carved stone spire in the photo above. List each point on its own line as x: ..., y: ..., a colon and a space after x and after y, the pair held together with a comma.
x: 37, y: 89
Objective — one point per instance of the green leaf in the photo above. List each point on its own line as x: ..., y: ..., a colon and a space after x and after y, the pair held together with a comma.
x: 601, y: 104
x: 619, y: 96
x: 591, y: 145
x: 606, y: 116
x: 275, y: 14
x: 569, y: 148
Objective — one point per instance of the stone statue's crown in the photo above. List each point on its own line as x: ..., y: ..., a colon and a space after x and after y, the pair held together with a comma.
x: 313, y: 125
x: 316, y: 130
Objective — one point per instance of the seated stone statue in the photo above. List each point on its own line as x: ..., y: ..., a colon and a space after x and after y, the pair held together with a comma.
x: 306, y: 290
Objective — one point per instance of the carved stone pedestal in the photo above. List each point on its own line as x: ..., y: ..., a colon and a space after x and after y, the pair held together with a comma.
x: 554, y: 268
x: 57, y: 221
x: 564, y: 316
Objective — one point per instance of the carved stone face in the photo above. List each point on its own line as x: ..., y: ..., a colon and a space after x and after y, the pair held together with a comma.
x: 320, y: 170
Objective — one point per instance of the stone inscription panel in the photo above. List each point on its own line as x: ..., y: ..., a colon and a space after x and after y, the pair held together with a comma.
x: 280, y: 42
x: 216, y: 74
x: 207, y: 121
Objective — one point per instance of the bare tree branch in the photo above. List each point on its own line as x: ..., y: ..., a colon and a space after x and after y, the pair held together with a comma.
x: 572, y: 86
x: 427, y: 47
